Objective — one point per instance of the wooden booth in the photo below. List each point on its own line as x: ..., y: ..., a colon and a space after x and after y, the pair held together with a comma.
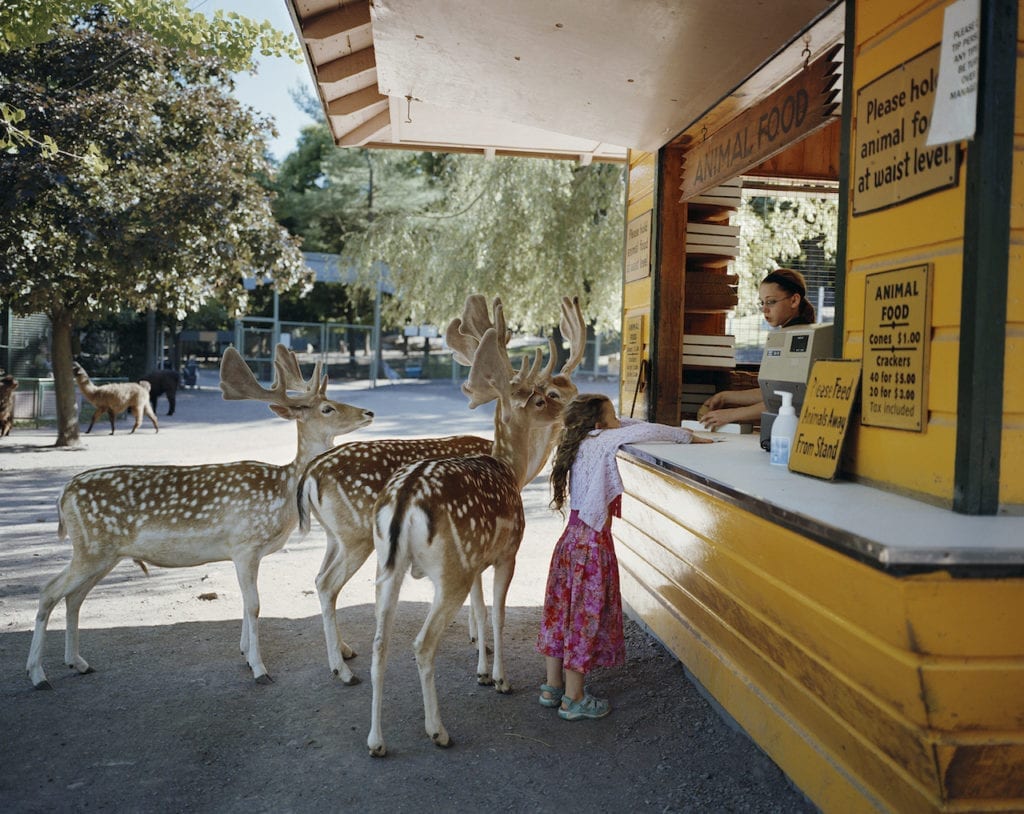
x: 860, y: 622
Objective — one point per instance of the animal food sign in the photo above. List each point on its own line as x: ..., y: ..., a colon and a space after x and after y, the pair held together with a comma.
x: 891, y: 159
x: 896, y: 343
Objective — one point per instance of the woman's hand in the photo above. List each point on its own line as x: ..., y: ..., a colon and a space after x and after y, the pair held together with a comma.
x: 713, y: 419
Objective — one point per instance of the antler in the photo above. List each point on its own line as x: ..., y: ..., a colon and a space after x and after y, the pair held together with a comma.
x: 574, y: 329
x: 237, y: 381
x: 464, y: 335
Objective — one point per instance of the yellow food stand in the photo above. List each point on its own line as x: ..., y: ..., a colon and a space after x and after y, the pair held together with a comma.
x: 862, y: 623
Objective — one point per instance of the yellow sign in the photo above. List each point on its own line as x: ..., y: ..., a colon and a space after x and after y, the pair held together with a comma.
x: 891, y: 161
x: 824, y: 418
x: 632, y: 398
x: 638, y: 247
x: 895, y: 347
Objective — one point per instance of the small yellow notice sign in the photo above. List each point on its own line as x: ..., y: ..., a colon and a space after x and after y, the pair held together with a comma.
x: 824, y: 418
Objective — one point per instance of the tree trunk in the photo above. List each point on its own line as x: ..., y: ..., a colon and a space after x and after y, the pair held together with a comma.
x: 63, y: 381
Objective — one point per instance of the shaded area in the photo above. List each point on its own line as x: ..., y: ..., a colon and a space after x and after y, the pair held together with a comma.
x: 171, y: 720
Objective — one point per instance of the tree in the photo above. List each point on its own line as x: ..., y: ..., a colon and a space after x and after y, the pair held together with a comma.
x: 775, y: 231
x: 232, y: 37
x: 528, y: 230
x: 178, y: 218
x: 525, y: 229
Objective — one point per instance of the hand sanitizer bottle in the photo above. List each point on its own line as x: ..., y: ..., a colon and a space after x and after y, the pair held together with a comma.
x: 783, y: 430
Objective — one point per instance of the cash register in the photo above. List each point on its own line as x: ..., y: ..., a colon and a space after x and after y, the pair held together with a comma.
x: 789, y: 355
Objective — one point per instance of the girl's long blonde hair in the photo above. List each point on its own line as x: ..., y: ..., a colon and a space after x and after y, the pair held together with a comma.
x: 581, y: 416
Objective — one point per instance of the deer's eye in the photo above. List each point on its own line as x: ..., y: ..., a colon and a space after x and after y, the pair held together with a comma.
x: 327, y: 409
x: 554, y: 394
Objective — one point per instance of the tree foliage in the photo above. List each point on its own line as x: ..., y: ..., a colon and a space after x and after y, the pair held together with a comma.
x: 232, y: 37
x: 776, y: 231
x: 179, y: 216
x: 528, y: 230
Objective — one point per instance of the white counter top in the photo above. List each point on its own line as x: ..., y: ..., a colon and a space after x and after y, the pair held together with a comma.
x: 881, y: 528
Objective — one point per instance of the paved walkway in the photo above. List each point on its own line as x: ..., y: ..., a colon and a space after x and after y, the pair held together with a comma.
x: 170, y: 721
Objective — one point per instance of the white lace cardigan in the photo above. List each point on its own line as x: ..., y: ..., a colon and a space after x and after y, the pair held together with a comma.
x: 594, y: 481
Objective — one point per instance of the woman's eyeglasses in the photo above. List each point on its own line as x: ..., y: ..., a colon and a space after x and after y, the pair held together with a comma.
x: 762, y: 304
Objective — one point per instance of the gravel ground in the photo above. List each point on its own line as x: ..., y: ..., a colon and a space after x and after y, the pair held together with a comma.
x: 172, y: 721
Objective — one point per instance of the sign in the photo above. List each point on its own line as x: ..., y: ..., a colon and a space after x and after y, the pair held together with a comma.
x: 638, y: 247
x: 956, y: 99
x: 892, y: 163
x: 795, y: 110
x: 824, y: 418
x: 633, y: 383
x: 895, y: 346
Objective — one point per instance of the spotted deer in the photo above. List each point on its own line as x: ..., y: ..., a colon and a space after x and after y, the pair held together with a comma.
x: 452, y: 518
x: 177, y: 516
x: 341, y: 486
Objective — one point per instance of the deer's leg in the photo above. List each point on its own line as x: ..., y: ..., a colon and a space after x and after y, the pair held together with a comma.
x: 477, y: 626
x: 151, y: 414
x: 73, y: 602
x: 247, y: 570
x: 448, y: 598
x: 389, y: 584
x: 74, y: 577
x: 502, y: 579
x: 341, y: 561
x: 95, y: 414
x: 113, y: 419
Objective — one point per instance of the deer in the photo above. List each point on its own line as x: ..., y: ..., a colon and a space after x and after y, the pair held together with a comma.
x: 180, y: 516
x: 113, y: 399
x: 452, y: 518
x: 341, y: 485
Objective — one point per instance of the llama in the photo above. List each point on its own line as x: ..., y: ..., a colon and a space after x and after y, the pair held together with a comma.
x: 8, y: 384
x: 177, y: 516
x: 114, y: 399
x: 450, y: 519
x: 162, y: 383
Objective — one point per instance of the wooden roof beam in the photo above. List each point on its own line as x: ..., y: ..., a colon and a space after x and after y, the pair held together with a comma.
x: 354, y: 102
x: 366, y: 131
x: 347, y: 67
x: 337, y: 21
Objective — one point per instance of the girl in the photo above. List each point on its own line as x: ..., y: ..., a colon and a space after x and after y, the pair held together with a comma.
x: 582, y: 624
x: 783, y: 301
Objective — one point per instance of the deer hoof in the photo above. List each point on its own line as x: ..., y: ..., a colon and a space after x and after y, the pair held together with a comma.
x: 264, y: 679
x: 484, y: 679
x: 43, y: 685
x: 503, y: 686
x: 442, y: 739
x: 81, y: 672
x: 348, y: 653
x: 379, y: 751
x: 352, y: 681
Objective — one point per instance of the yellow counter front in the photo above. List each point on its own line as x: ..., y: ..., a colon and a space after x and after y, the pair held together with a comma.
x: 870, y: 643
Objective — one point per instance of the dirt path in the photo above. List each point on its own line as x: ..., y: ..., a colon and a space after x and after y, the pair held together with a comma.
x: 171, y: 720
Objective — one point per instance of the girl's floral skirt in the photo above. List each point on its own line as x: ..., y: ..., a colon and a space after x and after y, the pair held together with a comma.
x: 582, y: 622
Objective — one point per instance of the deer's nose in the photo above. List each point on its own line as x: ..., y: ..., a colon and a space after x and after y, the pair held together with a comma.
x: 368, y: 413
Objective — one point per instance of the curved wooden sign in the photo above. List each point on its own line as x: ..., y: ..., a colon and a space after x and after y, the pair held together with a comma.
x: 797, y: 109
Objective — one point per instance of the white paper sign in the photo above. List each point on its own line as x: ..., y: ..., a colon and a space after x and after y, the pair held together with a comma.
x: 956, y: 99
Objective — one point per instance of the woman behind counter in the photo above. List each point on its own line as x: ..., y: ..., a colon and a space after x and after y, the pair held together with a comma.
x: 783, y: 301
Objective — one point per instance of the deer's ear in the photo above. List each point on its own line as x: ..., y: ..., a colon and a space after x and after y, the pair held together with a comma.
x: 289, y: 413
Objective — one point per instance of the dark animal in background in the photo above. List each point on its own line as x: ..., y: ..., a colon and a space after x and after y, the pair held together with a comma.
x: 163, y: 383
x: 8, y: 384
x: 115, y: 398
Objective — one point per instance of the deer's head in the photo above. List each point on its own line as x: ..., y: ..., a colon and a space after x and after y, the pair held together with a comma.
x: 531, y: 399
x: 292, y: 397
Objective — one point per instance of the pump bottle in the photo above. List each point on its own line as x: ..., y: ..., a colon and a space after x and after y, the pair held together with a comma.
x: 783, y: 430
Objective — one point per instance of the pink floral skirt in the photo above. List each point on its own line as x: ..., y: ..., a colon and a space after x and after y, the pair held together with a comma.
x: 582, y: 622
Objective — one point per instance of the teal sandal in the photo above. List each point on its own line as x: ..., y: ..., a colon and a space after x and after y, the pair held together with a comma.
x: 586, y: 707
x: 554, y: 695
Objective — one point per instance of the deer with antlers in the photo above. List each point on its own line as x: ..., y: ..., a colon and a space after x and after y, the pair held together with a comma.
x: 452, y: 518
x: 340, y: 487
x: 177, y: 516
